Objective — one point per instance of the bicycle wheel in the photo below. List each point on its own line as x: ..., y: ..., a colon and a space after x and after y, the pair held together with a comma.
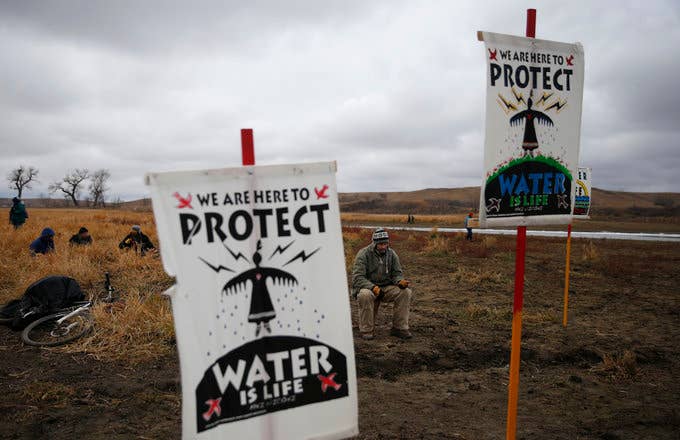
x: 48, y: 332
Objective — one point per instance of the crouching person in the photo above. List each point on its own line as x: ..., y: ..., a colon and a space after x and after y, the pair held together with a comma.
x: 136, y: 240
x: 43, y: 244
x: 377, y: 277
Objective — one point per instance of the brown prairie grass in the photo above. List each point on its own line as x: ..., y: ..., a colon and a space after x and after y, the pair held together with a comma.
x: 437, y: 245
x: 489, y: 241
x: 501, y: 316
x: 479, y: 275
x: 53, y: 393
x: 540, y: 317
x: 411, y: 239
x: 618, y: 367
x: 589, y: 253
x: 142, y: 327
x: 493, y: 316
x: 476, y: 249
x: 354, y: 239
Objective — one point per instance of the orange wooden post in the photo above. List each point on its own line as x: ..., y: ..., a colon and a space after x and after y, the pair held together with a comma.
x: 518, y: 300
x: 566, y: 278
x: 517, y: 304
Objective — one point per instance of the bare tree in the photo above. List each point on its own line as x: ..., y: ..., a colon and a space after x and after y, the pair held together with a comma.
x: 20, y: 178
x: 70, y: 184
x: 98, y: 186
x: 117, y: 202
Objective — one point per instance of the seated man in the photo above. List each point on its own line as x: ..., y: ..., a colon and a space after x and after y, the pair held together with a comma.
x: 82, y: 237
x: 376, y: 277
x: 44, y: 243
x: 136, y: 239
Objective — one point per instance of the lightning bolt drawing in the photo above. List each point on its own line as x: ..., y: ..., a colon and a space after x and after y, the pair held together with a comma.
x: 302, y: 255
x: 559, y: 105
x: 280, y: 250
x: 544, y: 98
x: 505, y: 104
x: 216, y: 268
x: 518, y: 96
x: 235, y: 255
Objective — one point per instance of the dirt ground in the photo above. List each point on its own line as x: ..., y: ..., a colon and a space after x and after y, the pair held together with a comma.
x: 610, y: 375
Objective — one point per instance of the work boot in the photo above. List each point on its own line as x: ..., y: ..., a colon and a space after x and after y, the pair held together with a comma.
x: 403, y: 334
x: 367, y: 336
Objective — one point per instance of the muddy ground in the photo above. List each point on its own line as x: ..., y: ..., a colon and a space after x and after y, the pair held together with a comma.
x: 612, y: 374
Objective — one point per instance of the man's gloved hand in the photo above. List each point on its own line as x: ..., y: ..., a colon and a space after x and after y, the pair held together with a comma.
x: 378, y: 292
x: 403, y: 284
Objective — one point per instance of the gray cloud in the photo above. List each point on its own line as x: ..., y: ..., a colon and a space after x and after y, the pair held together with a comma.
x: 393, y: 90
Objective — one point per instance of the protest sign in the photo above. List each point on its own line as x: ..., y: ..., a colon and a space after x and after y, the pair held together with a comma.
x: 533, y: 125
x: 261, y: 304
x: 583, y: 197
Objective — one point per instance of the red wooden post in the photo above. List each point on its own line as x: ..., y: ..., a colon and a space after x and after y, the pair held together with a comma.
x: 531, y: 23
x: 566, y: 279
x: 518, y: 299
x: 247, y: 146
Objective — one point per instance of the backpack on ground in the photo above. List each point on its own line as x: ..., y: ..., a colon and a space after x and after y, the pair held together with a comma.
x: 41, y: 298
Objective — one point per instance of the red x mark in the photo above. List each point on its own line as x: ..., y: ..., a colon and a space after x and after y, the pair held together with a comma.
x: 183, y: 202
x: 214, y: 407
x: 321, y: 193
x: 492, y: 54
x: 570, y: 60
x: 327, y: 381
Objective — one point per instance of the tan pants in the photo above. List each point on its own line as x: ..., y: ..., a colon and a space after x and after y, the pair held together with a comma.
x: 368, y: 307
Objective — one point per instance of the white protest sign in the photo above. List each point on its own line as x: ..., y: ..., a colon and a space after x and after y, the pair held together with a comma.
x: 533, y: 129
x: 261, y: 305
x: 583, y: 197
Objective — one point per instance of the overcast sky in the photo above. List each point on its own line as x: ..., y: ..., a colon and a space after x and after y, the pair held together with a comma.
x: 392, y: 90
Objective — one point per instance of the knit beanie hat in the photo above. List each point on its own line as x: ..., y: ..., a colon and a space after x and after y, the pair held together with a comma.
x: 380, y: 236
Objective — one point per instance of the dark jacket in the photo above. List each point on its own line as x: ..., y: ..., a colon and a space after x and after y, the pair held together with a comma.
x: 75, y: 239
x: 18, y: 214
x: 44, y: 296
x: 135, y: 240
x: 372, y: 269
x: 44, y: 243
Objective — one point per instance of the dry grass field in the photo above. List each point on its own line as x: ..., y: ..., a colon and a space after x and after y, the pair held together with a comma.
x: 610, y: 375
x: 138, y: 328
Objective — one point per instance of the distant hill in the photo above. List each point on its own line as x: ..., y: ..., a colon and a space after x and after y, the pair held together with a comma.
x: 39, y: 203
x: 461, y: 200
x: 445, y: 201
x: 51, y: 203
x: 425, y: 201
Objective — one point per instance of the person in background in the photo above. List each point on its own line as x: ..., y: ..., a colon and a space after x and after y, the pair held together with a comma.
x: 136, y: 239
x: 376, y: 277
x: 468, y: 227
x: 43, y: 244
x: 17, y: 213
x: 82, y: 237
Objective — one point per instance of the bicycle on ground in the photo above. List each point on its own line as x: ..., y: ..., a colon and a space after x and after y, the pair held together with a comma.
x: 67, y: 324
